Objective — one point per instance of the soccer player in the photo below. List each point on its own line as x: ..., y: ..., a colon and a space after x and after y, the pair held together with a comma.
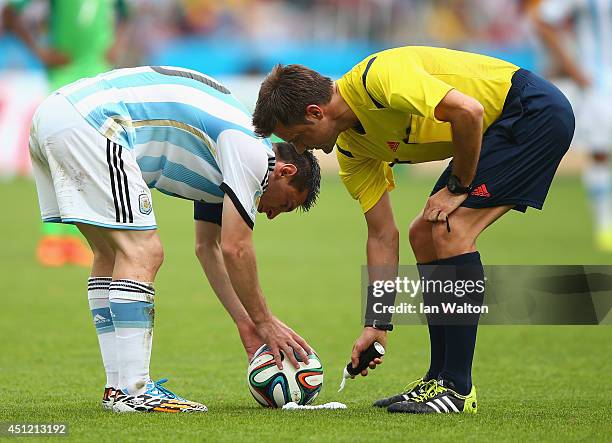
x: 82, y: 42
x: 591, y: 71
x: 506, y: 130
x: 98, y: 145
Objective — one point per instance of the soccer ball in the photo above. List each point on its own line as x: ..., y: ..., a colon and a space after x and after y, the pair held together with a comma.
x: 274, y: 388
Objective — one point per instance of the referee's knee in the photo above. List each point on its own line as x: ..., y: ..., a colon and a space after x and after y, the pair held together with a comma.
x: 421, y: 242
x: 449, y: 244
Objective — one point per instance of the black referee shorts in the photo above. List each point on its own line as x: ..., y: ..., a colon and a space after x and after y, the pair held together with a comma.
x: 522, y: 149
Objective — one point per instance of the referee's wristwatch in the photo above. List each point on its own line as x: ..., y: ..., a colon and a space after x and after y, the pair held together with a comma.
x: 379, y: 325
x: 455, y: 187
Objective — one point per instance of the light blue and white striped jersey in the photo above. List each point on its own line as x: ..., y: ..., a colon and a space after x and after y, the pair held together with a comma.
x: 191, y: 137
x: 593, y: 28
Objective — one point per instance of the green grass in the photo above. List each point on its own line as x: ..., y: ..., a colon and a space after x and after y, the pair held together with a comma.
x: 534, y: 383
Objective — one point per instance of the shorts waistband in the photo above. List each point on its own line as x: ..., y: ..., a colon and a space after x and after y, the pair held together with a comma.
x: 521, y: 77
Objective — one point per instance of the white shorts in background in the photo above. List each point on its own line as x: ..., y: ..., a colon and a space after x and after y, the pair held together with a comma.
x: 81, y: 176
x: 593, y: 111
x: 594, y: 120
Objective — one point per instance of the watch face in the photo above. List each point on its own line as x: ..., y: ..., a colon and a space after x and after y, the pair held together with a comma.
x: 455, y: 187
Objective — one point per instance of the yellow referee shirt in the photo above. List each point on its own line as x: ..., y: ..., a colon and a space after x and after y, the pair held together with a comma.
x: 394, y: 94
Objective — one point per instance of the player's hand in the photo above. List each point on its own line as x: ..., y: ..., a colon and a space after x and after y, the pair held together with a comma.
x: 51, y: 58
x: 367, y: 337
x: 442, y: 204
x: 113, y: 53
x: 581, y: 79
x: 250, y: 338
x: 279, y: 336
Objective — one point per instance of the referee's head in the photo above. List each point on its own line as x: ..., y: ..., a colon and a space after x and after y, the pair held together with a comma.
x: 294, y: 103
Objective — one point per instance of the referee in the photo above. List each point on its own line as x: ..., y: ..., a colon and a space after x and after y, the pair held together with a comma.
x: 505, y: 129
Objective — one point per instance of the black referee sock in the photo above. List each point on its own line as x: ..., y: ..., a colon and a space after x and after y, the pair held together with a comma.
x: 460, y: 340
x: 436, y: 332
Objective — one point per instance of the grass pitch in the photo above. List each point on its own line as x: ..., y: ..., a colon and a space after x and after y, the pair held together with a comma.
x: 534, y: 383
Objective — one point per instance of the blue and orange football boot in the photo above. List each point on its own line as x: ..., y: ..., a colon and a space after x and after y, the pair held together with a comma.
x: 156, y: 398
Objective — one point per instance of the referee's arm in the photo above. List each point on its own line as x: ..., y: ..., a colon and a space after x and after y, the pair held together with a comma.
x: 383, y: 258
x: 465, y: 114
x: 383, y: 240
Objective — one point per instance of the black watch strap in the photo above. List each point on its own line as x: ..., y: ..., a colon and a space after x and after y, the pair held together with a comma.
x: 376, y: 314
x: 455, y: 187
x: 379, y: 325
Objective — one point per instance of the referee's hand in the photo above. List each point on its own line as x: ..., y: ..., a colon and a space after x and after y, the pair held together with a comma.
x: 363, y: 342
x: 442, y: 204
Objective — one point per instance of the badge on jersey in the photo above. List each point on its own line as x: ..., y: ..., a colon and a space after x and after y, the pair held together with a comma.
x: 144, y: 204
x: 256, y: 199
x: 393, y: 145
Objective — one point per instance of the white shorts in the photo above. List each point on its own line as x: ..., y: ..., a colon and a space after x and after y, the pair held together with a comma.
x: 81, y: 176
x: 594, y: 126
x: 593, y: 117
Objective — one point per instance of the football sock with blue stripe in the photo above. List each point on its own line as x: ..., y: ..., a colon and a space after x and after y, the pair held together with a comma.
x: 436, y: 332
x: 460, y: 340
x: 132, y: 306
x: 97, y: 294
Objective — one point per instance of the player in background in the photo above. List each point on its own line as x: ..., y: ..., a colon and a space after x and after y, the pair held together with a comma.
x: 588, y: 63
x: 506, y: 130
x: 84, y: 39
x: 98, y: 145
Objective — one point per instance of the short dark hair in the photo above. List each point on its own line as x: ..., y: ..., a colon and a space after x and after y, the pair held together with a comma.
x: 308, y: 176
x: 284, y: 95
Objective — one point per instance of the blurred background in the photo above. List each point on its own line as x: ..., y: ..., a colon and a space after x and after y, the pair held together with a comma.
x: 309, y: 264
x: 45, y: 44
x: 238, y: 41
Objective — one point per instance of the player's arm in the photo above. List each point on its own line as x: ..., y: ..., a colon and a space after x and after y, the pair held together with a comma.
x: 549, y: 17
x: 11, y: 18
x: 239, y: 257
x: 244, y: 162
x: 208, y: 251
x: 121, y: 40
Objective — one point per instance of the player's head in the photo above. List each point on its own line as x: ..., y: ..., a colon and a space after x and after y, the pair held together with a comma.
x: 293, y: 104
x: 294, y: 183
